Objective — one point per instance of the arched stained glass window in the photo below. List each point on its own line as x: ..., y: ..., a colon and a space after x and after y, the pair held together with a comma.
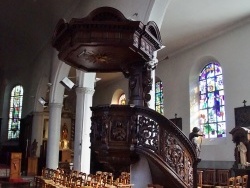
x: 122, y: 99
x: 212, y: 104
x: 159, y: 97
x: 15, y: 112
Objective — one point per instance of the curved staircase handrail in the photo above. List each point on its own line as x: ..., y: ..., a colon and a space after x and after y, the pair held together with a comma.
x: 120, y: 131
x: 165, y: 140
x: 167, y: 125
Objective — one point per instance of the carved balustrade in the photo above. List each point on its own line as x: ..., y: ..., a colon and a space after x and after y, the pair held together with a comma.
x: 121, y: 132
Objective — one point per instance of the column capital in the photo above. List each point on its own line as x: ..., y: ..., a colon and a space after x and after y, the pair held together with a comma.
x: 86, y: 90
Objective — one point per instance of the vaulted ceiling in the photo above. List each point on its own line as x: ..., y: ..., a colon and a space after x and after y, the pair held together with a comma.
x: 26, y: 26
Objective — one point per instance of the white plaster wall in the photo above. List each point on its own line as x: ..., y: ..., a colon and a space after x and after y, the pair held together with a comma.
x: 103, y: 95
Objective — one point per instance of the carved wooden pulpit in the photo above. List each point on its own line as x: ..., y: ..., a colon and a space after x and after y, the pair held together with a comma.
x: 106, y: 41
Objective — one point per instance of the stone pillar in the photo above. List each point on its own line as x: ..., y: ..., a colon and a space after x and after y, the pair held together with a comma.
x: 140, y: 174
x: 37, y: 130
x: 151, y: 103
x: 82, y: 129
x: 84, y: 95
x: 153, y: 64
x: 52, y: 158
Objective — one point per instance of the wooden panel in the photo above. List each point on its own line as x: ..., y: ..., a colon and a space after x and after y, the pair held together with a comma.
x: 177, y: 122
x: 25, y: 140
x: 242, y: 116
x: 32, y: 166
x: 66, y: 156
x: 15, y: 165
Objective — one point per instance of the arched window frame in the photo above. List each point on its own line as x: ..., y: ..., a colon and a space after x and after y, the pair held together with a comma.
x: 212, y: 120
x: 15, y: 112
x: 122, y: 99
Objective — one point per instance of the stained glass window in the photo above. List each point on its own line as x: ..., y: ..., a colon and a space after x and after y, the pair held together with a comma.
x: 122, y: 99
x: 15, y: 112
x: 212, y: 103
x: 159, y: 97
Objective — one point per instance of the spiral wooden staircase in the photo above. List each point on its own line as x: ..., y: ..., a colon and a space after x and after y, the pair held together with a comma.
x: 105, y: 41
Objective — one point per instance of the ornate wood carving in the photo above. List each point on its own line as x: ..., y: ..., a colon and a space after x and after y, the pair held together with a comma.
x: 111, y: 137
x: 105, y: 41
x: 148, y: 133
x: 169, y: 146
x: 118, y: 131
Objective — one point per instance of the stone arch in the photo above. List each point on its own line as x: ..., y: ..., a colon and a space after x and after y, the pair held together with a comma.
x: 57, y: 89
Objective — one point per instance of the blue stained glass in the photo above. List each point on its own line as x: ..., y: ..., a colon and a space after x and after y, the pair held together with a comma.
x: 218, y: 69
x: 210, y: 84
x: 210, y: 99
x: 15, y: 112
x: 219, y: 83
x: 158, y: 87
x: 213, y: 132
x: 202, y: 76
x: 211, y: 115
x: 221, y: 130
x: 212, y: 118
x: 220, y: 114
x: 203, y: 116
x: 203, y: 101
x: 210, y: 71
x: 159, y: 97
x: 203, y: 86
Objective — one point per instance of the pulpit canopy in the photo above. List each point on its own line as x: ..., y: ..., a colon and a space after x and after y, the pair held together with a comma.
x: 105, y: 41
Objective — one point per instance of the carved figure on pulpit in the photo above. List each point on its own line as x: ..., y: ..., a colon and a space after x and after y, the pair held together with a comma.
x: 243, y: 154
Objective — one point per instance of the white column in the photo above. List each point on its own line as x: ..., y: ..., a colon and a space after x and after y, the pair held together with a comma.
x: 82, y: 129
x: 140, y: 174
x: 37, y: 130
x: 52, y: 157
x: 151, y: 103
